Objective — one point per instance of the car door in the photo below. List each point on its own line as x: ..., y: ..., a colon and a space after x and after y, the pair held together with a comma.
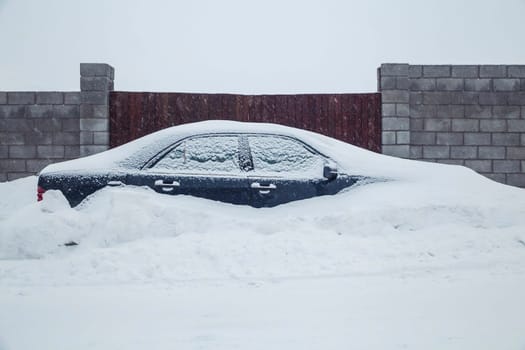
x: 206, y: 166
x: 284, y: 170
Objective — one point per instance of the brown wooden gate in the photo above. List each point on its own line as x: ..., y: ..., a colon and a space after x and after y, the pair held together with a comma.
x: 353, y: 118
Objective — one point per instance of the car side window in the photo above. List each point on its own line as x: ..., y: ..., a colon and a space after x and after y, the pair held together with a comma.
x: 282, y: 156
x: 202, y: 155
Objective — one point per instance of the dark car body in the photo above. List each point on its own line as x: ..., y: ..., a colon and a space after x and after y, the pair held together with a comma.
x: 246, y: 168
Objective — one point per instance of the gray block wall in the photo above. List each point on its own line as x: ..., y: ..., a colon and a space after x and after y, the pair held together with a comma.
x: 38, y: 128
x: 471, y: 115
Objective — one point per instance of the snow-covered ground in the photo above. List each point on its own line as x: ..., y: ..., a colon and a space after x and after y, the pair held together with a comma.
x: 433, y: 259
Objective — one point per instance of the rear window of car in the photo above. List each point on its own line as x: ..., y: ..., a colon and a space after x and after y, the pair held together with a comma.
x: 199, y: 155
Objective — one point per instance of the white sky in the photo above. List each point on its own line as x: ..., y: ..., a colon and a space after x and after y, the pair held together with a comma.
x: 242, y: 46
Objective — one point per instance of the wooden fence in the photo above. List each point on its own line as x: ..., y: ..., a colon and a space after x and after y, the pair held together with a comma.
x: 353, y: 118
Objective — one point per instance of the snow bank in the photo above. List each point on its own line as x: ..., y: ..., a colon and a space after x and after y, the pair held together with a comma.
x: 421, y: 259
x: 16, y: 194
x: 426, y: 216
x: 134, y: 234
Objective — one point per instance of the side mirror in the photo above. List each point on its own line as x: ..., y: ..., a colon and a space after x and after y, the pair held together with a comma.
x: 330, y: 172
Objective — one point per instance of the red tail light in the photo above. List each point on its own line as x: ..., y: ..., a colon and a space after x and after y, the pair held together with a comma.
x: 40, y: 193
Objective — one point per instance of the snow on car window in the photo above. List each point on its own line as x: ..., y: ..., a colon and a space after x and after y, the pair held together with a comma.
x: 274, y: 154
x: 207, y: 154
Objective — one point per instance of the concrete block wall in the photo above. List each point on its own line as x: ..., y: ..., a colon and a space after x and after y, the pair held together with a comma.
x: 38, y: 128
x: 471, y: 115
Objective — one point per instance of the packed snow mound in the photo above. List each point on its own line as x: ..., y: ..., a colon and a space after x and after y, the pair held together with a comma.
x: 134, y: 234
x: 16, y: 194
x: 424, y: 216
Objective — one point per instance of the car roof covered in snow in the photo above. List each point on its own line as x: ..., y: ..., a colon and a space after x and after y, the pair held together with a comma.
x: 349, y: 158
x: 135, y: 153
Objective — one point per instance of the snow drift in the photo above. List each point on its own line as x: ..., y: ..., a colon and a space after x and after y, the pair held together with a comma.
x: 426, y: 216
x: 433, y: 258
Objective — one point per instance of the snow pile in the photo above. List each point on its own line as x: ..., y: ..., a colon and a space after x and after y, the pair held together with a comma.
x: 424, y: 216
x: 421, y: 259
x: 134, y: 234
x: 16, y: 194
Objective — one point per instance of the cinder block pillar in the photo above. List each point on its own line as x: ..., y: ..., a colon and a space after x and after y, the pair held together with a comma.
x: 393, y: 84
x: 96, y: 82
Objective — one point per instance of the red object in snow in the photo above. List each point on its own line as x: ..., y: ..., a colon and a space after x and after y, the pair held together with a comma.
x: 40, y: 193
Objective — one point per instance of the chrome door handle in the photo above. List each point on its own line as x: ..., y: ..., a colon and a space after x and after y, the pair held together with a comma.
x: 166, y: 187
x: 258, y: 186
x: 115, y: 183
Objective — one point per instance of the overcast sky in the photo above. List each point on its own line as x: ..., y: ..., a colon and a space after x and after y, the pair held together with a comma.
x: 242, y: 46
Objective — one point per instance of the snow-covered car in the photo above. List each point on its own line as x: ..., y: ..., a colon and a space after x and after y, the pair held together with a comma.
x: 261, y: 165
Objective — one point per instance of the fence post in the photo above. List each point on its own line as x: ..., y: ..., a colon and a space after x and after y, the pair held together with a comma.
x: 96, y: 82
x: 395, y: 110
